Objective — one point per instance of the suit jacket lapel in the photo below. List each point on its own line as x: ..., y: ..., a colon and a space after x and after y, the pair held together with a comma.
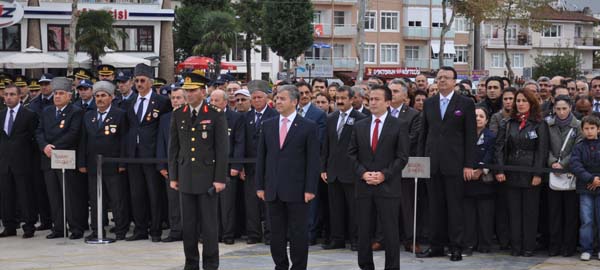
x: 451, y: 106
x: 436, y: 106
x: 2, y: 120
x: 382, y: 137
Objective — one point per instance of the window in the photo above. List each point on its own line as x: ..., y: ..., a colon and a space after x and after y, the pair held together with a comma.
x: 389, y: 53
x: 339, y: 18
x: 511, y: 32
x: 317, y: 53
x: 462, y: 54
x: 339, y: 50
x: 369, y: 53
x: 10, y: 38
x: 411, y: 52
x: 237, y: 54
x: 578, y: 31
x: 461, y: 24
x: 389, y: 21
x: 491, y: 31
x: 518, y: 60
x: 58, y: 37
x: 414, y: 23
x: 552, y: 31
x: 264, y: 53
x: 370, y: 21
x: 264, y: 76
x: 437, y: 24
x: 317, y: 16
x: 498, y: 60
x: 137, y: 38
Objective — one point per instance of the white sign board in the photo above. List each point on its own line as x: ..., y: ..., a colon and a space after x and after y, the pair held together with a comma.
x: 417, y: 167
x: 63, y: 159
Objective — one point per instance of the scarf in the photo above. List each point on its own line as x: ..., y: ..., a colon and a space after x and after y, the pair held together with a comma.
x: 564, y: 122
x: 523, y: 118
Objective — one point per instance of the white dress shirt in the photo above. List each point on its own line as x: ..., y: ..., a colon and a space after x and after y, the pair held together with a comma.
x: 290, y: 120
x: 382, y: 118
x: 340, y: 117
x: 16, y: 110
x: 146, y: 102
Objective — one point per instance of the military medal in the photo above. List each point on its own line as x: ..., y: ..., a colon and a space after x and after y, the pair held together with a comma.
x: 94, y: 120
x: 148, y: 118
x: 62, y: 124
x: 155, y: 115
x: 106, y: 132
x: 204, y: 135
x: 228, y: 132
x: 113, y: 128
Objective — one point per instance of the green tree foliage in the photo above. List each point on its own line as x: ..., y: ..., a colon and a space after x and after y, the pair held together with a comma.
x: 565, y: 63
x: 287, y: 27
x: 249, y: 22
x: 217, y: 32
x: 95, y: 33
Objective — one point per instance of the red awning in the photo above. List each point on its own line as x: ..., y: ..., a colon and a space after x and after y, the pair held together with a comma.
x: 201, y: 62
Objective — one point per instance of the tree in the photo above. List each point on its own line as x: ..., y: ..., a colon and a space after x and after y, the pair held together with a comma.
x: 564, y: 63
x: 95, y: 33
x: 74, y: 20
x: 287, y: 28
x: 446, y: 25
x: 166, y: 67
x: 218, y: 32
x: 249, y: 14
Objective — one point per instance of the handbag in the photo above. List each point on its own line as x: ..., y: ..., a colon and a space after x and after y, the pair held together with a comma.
x: 565, y: 181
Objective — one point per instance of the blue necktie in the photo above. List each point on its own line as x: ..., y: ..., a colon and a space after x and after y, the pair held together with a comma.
x: 11, y: 121
x: 100, y: 120
x: 258, y: 120
x: 58, y: 114
x: 443, y: 106
x: 140, y: 110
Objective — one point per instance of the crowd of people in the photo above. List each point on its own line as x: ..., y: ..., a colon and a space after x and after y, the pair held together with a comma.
x: 328, y: 171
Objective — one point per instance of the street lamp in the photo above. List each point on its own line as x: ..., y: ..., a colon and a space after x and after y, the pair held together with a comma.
x: 310, y: 68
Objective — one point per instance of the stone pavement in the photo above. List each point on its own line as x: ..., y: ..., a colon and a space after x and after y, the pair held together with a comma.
x: 40, y: 253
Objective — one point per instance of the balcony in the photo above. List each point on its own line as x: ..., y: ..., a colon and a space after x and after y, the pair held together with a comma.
x: 410, y: 32
x: 337, y: 62
x: 437, y: 31
x: 436, y: 65
x: 523, y: 42
x: 344, y: 30
x: 416, y: 63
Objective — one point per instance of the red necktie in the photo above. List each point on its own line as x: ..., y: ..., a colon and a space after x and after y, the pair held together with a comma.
x: 375, y: 135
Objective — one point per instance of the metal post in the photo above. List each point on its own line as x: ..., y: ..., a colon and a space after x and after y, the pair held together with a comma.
x: 100, y: 223
x: 64, y: 203
x: 415, y: 218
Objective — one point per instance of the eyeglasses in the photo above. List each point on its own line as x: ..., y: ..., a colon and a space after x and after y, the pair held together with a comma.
x: 241, y: 99
x: 140, y: 80
x: 305, y: 93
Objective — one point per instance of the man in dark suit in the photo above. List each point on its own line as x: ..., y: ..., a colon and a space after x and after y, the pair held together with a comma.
x: 287, y: 168
x: 198, y: 169
x: 178, y: 99
x: 227, y: 198
x: 358, y: 101
x: 337, y: 172
x: 85, y: 101
x: 42, y: 205
x: 104, y: 133
x: 379, y: 150
x: 319, y: 206
x: 145, y: 185
x: 60, y: 128
x: 448, y: 137
x: 253, y: 121
x: 410, y: 116
x: 17, y: 146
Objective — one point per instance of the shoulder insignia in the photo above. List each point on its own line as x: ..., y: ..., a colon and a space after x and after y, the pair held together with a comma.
x: 213, y: 107
x: 185, y: 108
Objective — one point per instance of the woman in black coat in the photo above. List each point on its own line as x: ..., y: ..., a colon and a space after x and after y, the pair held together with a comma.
x: 479, y: 192
x: 523, y: 141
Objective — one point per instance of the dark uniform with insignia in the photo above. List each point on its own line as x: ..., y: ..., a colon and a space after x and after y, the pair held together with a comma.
x: 198, y: 156
x: 106, y: 72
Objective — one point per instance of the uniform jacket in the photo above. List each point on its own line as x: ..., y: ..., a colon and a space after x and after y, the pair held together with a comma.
x: 390, y: 157
x: 334, y: 153
x: 91, y: 107
x: 17, y: 148
x: 289, y: 172
x: 526, y: 147
x: 38, y: 104
x: 63, y: 132
x: 146, y: 130
x: 236, y: 132
x: 585, y: 164
x: 198, y: 151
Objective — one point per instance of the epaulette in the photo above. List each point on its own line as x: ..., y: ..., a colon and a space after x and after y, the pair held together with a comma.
x: 215, y: 108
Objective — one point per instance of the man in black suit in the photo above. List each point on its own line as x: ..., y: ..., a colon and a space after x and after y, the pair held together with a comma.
x: 448, y: 137
x: 253, y: 121
x: 60, y: 128
x: 103, y: 133
x: 336, y: 172
x: 287, y: 168
x: 17, y: 146
x: 145, y: 185
x: 358, y: 101
x: 379, y: 151
x: 411, y: 117
x: 178, y: 98
x: 198, y: 151
x: 227, y: 198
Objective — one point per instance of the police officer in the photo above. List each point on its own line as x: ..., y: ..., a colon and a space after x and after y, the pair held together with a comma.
x: 106, y: 73
x: 125, y: 92
x: 104, y: 133
x: 86, y: 96
x: 198, y: 169
x: 59, y: 128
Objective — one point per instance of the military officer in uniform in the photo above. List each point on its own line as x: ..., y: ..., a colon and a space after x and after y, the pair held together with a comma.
x: 124, y: 89
x: 22, y: 82
x: 103, y: 133
x: 106, y: 73
x: 198, y: 163
x: 34, y: 88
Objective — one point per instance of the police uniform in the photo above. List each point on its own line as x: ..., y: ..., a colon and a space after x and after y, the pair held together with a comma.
x: 198, y: 156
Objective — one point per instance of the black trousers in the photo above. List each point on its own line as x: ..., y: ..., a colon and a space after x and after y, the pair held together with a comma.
x: 407, y: 209
x: 342, y: 211
x: 255, y: 208
x: 16, y: 191
x: 75, y: 200
x: 479, y: 221
x: 446, y: 214
x: 562, y: 220
x: 289, y: 220
x: 389, y: 210
x: 114, y: 191
x: 502, y: 220
x: 227, y: 209
x: 40, y: 194
x: 523, y: 211
x: 200, y: 209
x: 145, y: 185
x: 174, y: 211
